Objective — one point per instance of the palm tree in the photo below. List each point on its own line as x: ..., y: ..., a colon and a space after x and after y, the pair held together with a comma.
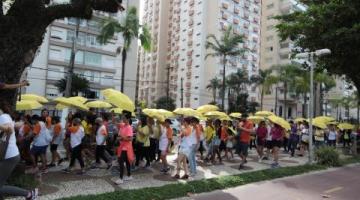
x: 264, y: 80
x: 213, y: 86
x: 226, y: 47
x: 78, y: 84
x: 286, y: 74
x: 130, y: 29
x: 326, y: 82
x: 302, y: 87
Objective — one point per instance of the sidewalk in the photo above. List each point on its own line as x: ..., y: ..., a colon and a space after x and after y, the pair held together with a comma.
x: 57, y: 184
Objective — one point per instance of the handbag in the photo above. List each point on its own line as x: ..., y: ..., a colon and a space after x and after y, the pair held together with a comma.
x: 4, y: 143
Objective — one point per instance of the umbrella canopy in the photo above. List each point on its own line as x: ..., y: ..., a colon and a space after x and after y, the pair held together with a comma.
x: 216, y: 114
x: 345, y: 126
x: 34, y: 97
x: 207, y: 108
x: 98, y: 104
x: 149, y: 112
x: 300, y: 119
x: 325, y: 119
x: 165, y: 113
x: 79, y: 99
x: 188, y: 112
x: 71, y: 102
x: 264, y: 113
x: 279, y: 121
x: 319, y: 123
x: 27, y: 105
x: 117, y: 110
x: 60, y: 106
x: 118, y: 99
x: 256, y: 119
x: 235, y: 115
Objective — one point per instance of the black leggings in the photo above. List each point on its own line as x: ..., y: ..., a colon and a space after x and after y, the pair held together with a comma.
x: 76, y: 154
x: 124, y: 159
x: 100, y: 153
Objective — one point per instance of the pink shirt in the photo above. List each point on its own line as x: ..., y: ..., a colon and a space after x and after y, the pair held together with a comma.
x: 125, y: 131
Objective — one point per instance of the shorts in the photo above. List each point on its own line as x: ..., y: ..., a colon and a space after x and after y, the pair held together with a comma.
x: 268, y: 144
x: 38, y: 150
x: 260, y: 142
x: 222, y: 145
x: 53, y: 147
x: 276, y: 143
x: 242, y: 148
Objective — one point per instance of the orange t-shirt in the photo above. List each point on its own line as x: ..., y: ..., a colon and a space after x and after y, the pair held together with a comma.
x: 186, y: 131
x: 245, y: 136
x: 26, y: 129
x: 169, y: 133
x: 57, y: 129
x: 224, y: 134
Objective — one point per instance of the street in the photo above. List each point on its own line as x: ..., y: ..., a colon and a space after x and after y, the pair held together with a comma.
x: 339, y: 184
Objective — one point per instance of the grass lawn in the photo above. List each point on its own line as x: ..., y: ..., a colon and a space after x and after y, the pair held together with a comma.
x: 207, y: 185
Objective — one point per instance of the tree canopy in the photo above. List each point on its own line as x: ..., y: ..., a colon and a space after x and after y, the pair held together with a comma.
x: 332, y: 24
x: 78, y: 84
x: 166, y: 103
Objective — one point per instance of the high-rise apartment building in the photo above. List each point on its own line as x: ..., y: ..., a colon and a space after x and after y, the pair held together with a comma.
x: 100, y: 64
x: 277, y: 52
x: 179, y: 29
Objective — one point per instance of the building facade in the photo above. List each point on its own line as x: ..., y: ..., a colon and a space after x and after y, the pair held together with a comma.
x: 277, y: 52
x: 177, y: 62
x: 99, y: 64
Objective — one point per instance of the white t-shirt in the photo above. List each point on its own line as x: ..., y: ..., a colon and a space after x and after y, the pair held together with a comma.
x: 12, y: 149
x: 268, y: 134
x: 192, y: 137
x: 101, y: 135
x: 332, y: 135
x: 163, y: 140
x: 42, y: 139
x: 76, y: 138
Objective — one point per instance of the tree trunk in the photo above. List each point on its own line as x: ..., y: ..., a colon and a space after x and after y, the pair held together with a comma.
x: 214, y: 94
x: 358, y: 112
x: 285, y: 99
x: 304, y: 106
x: 124, y: 56
x: 223, y: 86
x: 262, y: 99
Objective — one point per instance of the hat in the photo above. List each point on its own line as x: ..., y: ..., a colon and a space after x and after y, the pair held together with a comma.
x: 168, y: 121
x: 99, y: 120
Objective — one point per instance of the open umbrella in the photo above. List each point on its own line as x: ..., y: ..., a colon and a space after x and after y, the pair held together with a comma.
x: 118, y: 99
x: 300, y: 119
x: 60, y: 106
x: 325, y: 119
x: 79, y: 99
x: 319, y: 123
x: 117, y: 110
x: 98, y: 104
x: 188, y: 112
x: 264, y: 113
x: 34, y: 97
x: 27, y: 105
x: 216, y: 114
x: 165, y: 113
x: 345, y: 126
x: 71, y: 103
x: 279, y: 121
x: 256, y: 119
x: 235, y: 115
x: 207, y: 108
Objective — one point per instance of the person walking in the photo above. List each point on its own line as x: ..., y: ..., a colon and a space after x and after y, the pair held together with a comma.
x: 9, y: 161
x: 184, y: 150
x: 209, y: 136
x: 277, y: 136
x: 125, y: 151
x: 246, y: 127
x: 261, y: 133
x: 101, y: 135
x: 143, y: 142
x: 76, y: 136
x: 165, y: 142
x: 332, y: 136
x: 57, y: 135
x: 294, y: 138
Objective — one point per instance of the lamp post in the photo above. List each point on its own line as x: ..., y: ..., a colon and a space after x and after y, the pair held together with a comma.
x: 311, y: 57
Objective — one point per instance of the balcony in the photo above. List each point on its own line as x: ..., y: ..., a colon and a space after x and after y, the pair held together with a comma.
x: 225, y: 5
x: 191, y: 12
x: 191, y: 2
x: 224, y: 16
x: 236, y: 1
x: 236, y: 10
x: 191, y: 22
x: 190, y: 43
x: 236, y: 21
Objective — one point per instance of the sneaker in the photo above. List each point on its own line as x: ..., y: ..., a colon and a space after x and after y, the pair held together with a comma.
x: 128, y: 178
x: 275, y: 165
x: 51, y: 165
x: 119, y: 181
x: 44, y: 171
x: 177, y: 176
x: 60, y: 161
x: 67, y: 170
x: 33, y: 194
x: 185, y: 177
x: 265, y: 158
x: 109, y: 166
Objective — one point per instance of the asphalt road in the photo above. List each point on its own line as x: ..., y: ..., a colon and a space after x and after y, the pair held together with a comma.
x: 338, y: 184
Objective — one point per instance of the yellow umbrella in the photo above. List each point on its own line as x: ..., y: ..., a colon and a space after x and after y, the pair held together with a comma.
x: 264, y: 113
x: 226, y: 118
x: 325, y: 119
x: 27, y: 105
x: 345, y: 126
x: 116, y: 110
x: 186, y: 112
x: 98, y: 104
x: 149, y: 112
x: 165, y: 113
x: 207, y: 108
x: 78, y: 98
x: 300, y: 119
x: 34, y: 97
x: 333, y: 123
x: 216, y: 114
x: 118, y: 99
x: 235, y: 115
x: 279, y: 121
x: 60, y: 106
x: 71, y: 103
x: 256, y: 119
x: 319, y: 123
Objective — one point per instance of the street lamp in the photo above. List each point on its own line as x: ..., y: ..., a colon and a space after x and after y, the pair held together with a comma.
x: 311, y: 57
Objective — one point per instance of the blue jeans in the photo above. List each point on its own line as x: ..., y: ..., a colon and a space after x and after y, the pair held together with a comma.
x: 192, y: 159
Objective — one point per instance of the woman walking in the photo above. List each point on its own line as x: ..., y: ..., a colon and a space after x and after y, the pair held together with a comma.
x: 10, y: 160
x: 277, y: 136
x: 261, y: 133
x: 184, y: 150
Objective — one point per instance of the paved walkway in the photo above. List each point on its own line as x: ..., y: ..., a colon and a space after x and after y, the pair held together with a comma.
x: 57, y: 184
x: 336, y: 184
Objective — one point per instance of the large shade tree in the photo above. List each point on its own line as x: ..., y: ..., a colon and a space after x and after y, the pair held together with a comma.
x: 130, y: 29
x: 225, y: 47
x: 22, y: 28
x: 332, y: 24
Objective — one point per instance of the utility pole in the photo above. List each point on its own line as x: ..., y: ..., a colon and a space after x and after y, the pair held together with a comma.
x: 182, y: 92
x: 137, y: 82
x: 168, y: 84
x: 72, y: 60
x: 276, y: 100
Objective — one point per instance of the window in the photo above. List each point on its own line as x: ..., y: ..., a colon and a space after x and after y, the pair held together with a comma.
x: 57, y: 34
x: 94, y: 25
x: 79, y: 56
x: 108, y: 61
x: 92, y: 41
x: 92, y: 58
x: 55, y: 53
x: 270, y: 6
x: 55, y: 72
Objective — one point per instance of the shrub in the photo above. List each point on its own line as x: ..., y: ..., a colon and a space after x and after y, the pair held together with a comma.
x: 327, y: 156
